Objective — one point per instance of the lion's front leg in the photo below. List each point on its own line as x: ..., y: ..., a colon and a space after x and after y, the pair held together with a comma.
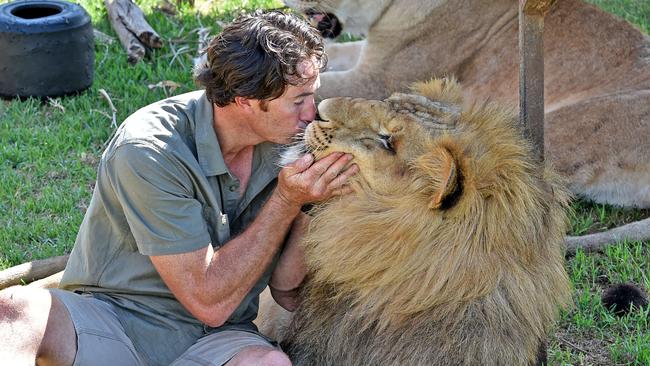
x: 352, y: 83
x: 343, y: 56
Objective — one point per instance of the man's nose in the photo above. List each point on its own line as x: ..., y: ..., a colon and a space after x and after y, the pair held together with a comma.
x: 310, y: 113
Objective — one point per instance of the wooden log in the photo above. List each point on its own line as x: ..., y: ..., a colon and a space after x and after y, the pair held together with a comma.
x: 31, y: 271
x: 131, y: 16
x: 639, y: 230
x: 48, y: 282
x: 135, y: 50
x: 531, y: 70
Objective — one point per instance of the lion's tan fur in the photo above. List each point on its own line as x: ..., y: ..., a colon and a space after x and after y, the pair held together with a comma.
x: 597, y: 76
x: 450, y: 251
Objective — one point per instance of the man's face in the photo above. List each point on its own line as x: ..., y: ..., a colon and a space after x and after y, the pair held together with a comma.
x: 289, y: 114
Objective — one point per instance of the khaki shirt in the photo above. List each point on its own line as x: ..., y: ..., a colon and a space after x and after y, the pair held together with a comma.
x: 163, y: 188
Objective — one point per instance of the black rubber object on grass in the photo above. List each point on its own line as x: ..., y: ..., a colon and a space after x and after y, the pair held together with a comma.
x: 623, y: 297
x: 46, y: 49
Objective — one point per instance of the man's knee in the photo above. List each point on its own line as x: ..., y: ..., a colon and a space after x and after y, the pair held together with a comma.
x: 18, y: 337
x: 33, y: 325
x: 12, y: 302
x: 265, y: 356
x: 275, y: 358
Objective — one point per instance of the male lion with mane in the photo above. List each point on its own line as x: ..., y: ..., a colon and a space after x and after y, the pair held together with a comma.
x: 450, y: 251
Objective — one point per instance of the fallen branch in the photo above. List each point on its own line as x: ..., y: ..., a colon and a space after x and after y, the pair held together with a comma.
x: 132, y: 29
x: 133, y: 19
x: 47, y: 272
x: 635, y: 231
x: 51, y: 281
x: 135, y: 50
x: 32, y: 271
x: 571, y: 345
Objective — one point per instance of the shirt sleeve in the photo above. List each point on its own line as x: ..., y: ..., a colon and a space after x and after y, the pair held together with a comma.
x: 156, y: 193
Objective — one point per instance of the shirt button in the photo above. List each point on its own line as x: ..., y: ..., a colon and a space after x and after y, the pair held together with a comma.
x: 232, y: 188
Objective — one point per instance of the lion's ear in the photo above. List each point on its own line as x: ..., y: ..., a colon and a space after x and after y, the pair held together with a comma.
x: 444, y: 174
x: 443, y: 90
x: 432, y: 114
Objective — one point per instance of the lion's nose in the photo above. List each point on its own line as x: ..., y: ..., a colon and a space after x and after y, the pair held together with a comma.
x: 325, y: 124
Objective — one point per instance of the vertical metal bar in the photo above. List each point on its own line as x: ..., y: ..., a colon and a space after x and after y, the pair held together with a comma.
x: 531, y: 70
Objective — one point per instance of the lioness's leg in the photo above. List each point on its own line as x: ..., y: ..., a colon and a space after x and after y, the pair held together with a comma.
x: 343, y: 56
x: 601, y: 145
x: 35, y: 328
x: 357, y: 83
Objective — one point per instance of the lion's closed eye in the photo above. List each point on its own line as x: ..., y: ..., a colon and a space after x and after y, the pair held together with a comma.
x: 381, y: 141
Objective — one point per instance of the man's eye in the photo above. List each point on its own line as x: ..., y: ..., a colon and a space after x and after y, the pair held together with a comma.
x: 299, y: 102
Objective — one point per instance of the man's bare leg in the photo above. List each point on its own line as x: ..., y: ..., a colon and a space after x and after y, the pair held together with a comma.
x: 35, y: 328
x: 260, y: 356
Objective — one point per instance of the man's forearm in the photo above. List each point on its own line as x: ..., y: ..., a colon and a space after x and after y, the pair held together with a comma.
x: 236, y: 267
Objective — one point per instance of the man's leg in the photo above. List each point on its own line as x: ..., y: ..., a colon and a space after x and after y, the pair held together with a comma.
x: 233, y: 348
x: 260, y: 356
x: 35, y: 328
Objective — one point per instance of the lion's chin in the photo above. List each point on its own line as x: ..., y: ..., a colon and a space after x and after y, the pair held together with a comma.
x: 291, y: 154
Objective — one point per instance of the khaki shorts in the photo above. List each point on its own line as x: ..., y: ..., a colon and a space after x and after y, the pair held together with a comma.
x: 102, y: 340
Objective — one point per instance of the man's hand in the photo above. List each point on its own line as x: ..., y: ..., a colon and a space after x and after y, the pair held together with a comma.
x: 303, y: 182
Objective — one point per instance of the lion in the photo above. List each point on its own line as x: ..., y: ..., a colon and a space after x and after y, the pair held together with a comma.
x: 597, y: 76
x: 450, y: 250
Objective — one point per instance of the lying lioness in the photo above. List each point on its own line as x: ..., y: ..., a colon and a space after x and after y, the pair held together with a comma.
x: 597, y: 76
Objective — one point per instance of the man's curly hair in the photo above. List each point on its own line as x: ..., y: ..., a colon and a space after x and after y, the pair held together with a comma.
x: 257, y: 56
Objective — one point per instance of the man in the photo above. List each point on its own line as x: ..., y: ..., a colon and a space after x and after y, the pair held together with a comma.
x: 190, y: 218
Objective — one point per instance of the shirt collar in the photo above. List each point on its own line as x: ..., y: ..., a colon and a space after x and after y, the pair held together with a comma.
x: 207, y: 144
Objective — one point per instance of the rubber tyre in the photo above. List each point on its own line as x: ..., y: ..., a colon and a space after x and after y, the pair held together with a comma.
x: 47, y: 49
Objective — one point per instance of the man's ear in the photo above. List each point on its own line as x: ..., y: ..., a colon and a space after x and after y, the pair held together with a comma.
x: 245, y: 103
x: 442, y: 168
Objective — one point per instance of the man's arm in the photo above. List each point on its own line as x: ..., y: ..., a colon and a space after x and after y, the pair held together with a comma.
x: 211, y: 284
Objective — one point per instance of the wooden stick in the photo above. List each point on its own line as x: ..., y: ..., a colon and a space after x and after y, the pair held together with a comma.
x: 53, y: 267
x: 135, y: 50
x: 531, y: 114
x: 131, y: 16
x: 639, y: 230
x: 531, y: 70
x: 31, y: 271
x: 48, y: 282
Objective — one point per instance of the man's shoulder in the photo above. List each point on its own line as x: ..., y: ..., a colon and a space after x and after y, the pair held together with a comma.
x: 182, y: 103
x: 167, y: 112
x: 164, y: 123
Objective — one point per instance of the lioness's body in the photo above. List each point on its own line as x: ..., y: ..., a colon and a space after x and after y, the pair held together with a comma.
x: 597, y: 77
x: 450, y: 251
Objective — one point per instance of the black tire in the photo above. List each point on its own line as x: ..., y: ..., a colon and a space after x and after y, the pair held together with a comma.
x: 46, y: 49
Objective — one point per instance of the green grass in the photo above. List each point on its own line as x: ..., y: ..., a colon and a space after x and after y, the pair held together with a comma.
x: 49, y: 152
x: 636, y: 12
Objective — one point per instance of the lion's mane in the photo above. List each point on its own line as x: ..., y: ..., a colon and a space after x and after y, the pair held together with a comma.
x: 399, y: 275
